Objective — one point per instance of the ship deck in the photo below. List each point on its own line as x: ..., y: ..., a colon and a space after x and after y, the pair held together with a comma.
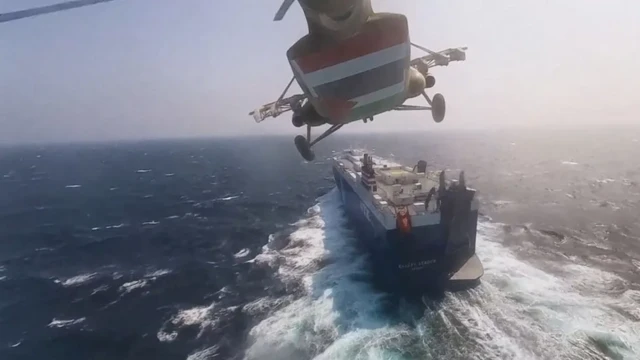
x: 413, y: 195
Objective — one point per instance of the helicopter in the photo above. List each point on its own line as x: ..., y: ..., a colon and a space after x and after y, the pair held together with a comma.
x: 352, y: 65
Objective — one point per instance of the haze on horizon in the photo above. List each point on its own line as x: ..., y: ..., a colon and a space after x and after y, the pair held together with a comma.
x: 132, y: 69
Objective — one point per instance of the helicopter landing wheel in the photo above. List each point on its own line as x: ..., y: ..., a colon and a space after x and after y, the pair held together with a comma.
x: 438, y: 108
x: 304, y: 148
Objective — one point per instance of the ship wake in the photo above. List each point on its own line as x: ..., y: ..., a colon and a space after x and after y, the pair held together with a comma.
x: 332, y: 310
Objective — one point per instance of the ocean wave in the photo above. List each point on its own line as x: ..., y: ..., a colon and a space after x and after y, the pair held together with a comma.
x: 203, y: 317
x: 242, y: 253
x: 132, y: 285
x: 157, y: 273
x: 205, y: 354
x: 322, y: 260
x: 227, y: 198
x: 79, y: 279
x: 57, y: 323
x: 108, y: 227
x: 99, y: 289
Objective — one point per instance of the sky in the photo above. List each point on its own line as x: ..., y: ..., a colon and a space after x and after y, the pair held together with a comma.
x: 131, y: 69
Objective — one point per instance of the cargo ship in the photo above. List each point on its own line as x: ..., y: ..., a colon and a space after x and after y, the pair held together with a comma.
x: 418, y: 226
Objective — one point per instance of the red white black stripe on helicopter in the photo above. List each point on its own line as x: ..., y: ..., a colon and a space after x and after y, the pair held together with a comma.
x: 364, y: 69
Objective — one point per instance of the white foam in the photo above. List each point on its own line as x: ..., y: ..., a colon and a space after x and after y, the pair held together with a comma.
x: 262, y: 305
x: 333, y: 301
x: 531, y: 313
x: 78, y: 280
x: 65, y: 323
x: 206, y: 354
x: 132, y: 285
x: 158, y: 273
x: 227, y: 198
x: 202, y: 316
x: 142, y: 171
x: 99, y: 289
x: 298, y: 259
x: 151, y: 222
x: 73, y: 186
x: 193, y: 316
x: 167, y: 337
x: 242, y: 253
x: 569, y: 163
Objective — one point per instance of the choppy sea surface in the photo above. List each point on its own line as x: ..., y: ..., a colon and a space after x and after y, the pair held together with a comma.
x: 238, y: 249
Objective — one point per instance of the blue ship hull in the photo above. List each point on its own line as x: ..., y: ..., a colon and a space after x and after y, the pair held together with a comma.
x: 420, y: 262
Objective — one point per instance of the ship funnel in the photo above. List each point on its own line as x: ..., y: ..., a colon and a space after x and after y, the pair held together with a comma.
x: 422, y: 166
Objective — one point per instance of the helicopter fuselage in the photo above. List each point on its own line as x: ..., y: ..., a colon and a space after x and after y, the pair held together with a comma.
x: 357, y: 76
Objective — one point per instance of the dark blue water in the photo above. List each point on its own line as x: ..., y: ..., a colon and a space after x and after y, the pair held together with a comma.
x: 156, y: 250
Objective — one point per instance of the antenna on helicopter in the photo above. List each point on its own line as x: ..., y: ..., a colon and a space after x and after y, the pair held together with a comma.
x: 286, y: 4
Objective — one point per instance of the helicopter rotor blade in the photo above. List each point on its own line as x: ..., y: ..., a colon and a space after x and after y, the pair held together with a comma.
x: 67, y: 5
x: 286, y: 4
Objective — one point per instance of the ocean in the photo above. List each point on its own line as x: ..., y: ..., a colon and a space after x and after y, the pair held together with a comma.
x: 236, y: 248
